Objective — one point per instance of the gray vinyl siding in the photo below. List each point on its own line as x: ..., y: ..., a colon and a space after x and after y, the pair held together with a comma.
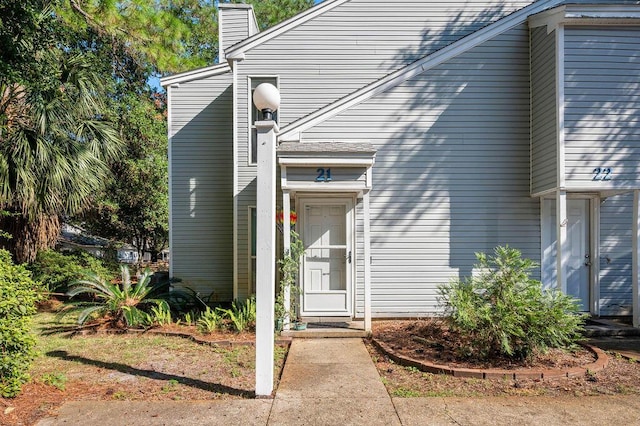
x: 616, y: 220
x: 602, y: 106
x: 326, y: 58
x: 451, y: 176
x: 544, y: 137
x: 201, y: 186
x: 236, y: 25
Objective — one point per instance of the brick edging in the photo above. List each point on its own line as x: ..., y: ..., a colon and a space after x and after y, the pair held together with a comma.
x: 602, y: 360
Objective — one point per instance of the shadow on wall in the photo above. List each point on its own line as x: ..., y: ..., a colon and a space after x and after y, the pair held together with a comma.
x: 202, y: 189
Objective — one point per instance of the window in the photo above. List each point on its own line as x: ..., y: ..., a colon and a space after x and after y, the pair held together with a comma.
x: 252, y: 249
x: 256, y: 115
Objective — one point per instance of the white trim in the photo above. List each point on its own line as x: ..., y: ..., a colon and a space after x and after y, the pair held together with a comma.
x: 170, y: 169
x: 561, y: 240
x: 286, y: 160
x: 195, y: 74
x: 251, y: 236
x: 635, y: 255
x: 445, y: 54
x: 560, y: 156
x: 234, y: 89
x: 286, y: 247
x: 220, y: 37
x: 594, y: 251
x: 576, y: 14
x: 250, y: 122
x: 262, y: 37
x: 367, y: 261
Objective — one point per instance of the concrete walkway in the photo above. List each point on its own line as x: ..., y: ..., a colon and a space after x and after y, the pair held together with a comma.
x: 334, y: 382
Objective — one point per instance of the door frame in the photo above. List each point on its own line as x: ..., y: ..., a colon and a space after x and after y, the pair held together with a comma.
x: 349, y: 201
x: 594, y: 243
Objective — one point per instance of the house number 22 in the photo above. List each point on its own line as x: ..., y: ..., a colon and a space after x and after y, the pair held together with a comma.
x: 602, y: 174
x: 324, y: 175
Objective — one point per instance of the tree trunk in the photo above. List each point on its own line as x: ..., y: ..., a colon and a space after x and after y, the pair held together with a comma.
x: 28, y: 237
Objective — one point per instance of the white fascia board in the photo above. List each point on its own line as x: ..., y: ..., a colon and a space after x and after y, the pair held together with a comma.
x: 428, y: 62
x: 326, y: 160
x: 575, y: 14
x: 238, y: 49
x: 195, y: 74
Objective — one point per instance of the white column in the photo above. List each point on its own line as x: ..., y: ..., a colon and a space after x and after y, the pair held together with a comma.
x: 561, y: 244
x: 286, y: 239
x: 367, y: 264
x: 635, y: 270
x: 265, y: 255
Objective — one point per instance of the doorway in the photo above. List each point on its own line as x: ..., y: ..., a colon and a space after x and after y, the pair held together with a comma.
x: 327, y: 264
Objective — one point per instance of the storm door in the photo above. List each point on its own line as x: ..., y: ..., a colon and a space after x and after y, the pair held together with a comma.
x: 326, y: 274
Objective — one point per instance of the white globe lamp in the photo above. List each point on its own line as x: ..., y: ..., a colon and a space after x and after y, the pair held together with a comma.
x: 266, y: 98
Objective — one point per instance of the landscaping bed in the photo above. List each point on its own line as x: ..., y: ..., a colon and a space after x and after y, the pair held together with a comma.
x: 148, y: 366
x: 431, y: 342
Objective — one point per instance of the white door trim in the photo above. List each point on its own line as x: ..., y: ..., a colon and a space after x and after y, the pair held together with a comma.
x: 349, y: 201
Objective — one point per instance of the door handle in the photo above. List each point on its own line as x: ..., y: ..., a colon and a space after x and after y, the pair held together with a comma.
x: 348, y: 256
x: 587, y: 262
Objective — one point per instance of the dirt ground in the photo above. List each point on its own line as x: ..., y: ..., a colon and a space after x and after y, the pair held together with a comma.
x: 420, y: 340
x: 142, y: 367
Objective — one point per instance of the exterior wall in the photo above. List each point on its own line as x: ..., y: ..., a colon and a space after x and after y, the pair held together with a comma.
x: 602, y: 107
x: 235, y: 23
x: 201, y: 185
x: 338, y: 52
x: 544, y: 135
x: 616, y: 217
x: 451, y: 176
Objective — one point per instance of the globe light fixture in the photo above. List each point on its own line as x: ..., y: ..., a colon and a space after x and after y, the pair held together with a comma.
x: 266, y: 98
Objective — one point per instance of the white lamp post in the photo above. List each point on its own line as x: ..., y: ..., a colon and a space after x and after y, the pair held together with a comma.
x: 267, y: 99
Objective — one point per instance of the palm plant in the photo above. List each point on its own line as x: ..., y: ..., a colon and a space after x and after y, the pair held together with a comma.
x: 55, y: 144
x: 121, y: 304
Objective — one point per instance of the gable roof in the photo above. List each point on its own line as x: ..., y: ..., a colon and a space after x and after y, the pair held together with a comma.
x: 237, y: 50
x: 195, y: 74
x: 292, y: 131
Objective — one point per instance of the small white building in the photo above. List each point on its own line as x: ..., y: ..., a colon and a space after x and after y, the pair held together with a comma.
x: 466, y: 125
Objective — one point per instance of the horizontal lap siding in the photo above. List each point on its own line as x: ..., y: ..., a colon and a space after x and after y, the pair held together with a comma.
x: 201, y: 185
x: 616, y: 219
x: 544, y: 167
x: 451, y: 176
x: 602, y: 107
x: 354, y: 44
x: 235, y: 26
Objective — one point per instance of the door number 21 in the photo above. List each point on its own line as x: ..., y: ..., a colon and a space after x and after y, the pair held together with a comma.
x: 602, y: 174
x: 324, y: 175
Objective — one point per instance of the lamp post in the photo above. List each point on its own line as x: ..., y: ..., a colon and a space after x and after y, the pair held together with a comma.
x: 267, y: 99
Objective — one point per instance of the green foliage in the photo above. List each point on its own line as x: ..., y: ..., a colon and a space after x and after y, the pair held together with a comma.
x: 504, y: 312
x: 160, y: 314
x: 289, y: 269
x: 242, y: 315
x: 56, y: 270
x: 57, y: 380
x: 210, y: 320
x: 121, y: 304
x: 18, y: 297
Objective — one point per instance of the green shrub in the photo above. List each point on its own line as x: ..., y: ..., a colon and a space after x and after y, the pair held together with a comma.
x: 18, y: 297
x: 504, y: 312
x: 125, y: 304
x: 210, y: 320
x: 56, y: 270
x: 242, y: 315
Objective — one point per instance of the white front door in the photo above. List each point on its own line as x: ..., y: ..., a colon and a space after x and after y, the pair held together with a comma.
x: 578, y: 256
x: 327, y: 262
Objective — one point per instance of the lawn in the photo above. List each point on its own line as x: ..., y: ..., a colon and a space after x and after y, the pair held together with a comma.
x: 128, y: 366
